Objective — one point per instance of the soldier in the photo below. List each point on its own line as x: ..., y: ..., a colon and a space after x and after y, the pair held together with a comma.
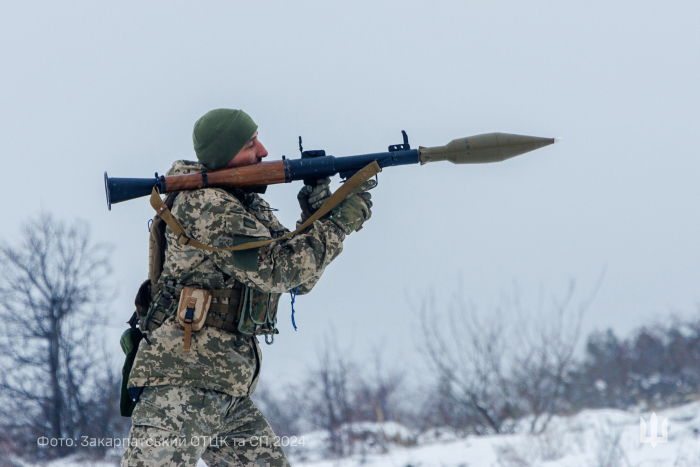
x: 197, y: 404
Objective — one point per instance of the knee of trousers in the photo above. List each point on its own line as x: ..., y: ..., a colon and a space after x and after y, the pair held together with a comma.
x: 151, y: 446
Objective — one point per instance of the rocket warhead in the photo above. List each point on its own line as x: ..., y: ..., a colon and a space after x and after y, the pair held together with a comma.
x: 480, y: 149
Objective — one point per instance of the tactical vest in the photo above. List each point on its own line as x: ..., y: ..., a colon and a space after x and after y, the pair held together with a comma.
x: 240, y: 309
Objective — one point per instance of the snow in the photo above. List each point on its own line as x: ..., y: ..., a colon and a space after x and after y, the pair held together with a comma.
x: 70, y: 461
x: 605, y: 438
x: 592, y: 438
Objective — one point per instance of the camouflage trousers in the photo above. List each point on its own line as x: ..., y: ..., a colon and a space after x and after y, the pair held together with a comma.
x: 176, y: 426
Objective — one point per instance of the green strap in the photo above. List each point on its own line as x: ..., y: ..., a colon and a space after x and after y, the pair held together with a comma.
x: 340, y: 194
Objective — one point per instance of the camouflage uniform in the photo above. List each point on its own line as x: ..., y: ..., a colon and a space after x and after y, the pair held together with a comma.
x: 207, y: 391
x: 176, y: 425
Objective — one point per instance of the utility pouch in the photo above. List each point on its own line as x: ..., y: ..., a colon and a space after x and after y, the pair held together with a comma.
x: 192, y: 311
x: 258, y: 312
x: 130, y: 343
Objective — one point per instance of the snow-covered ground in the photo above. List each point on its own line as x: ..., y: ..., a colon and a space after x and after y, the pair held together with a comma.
x: 593, y: 438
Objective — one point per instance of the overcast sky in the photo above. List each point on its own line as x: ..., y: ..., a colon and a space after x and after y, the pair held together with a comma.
x: 92, y: 86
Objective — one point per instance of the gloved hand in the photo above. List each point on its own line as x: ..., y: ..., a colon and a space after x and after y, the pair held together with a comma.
x: 311, y: 198
x: 354, y: 210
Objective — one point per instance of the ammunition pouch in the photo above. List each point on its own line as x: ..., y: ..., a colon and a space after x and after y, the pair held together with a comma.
x: 241, y: 309
x: 258, y: 312
x: 162, y: 306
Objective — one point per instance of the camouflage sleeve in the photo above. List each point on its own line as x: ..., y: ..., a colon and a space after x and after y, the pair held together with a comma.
x: 298, y: 261
x: 215, y: 217
x: 306, y: 287
x: 275, y: 223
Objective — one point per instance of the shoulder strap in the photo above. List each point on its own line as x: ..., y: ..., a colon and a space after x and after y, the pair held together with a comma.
x: 340, y: 194
x: 156, y: 244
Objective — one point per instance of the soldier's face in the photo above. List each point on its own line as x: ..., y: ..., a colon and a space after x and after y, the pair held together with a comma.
x: 252, y: 153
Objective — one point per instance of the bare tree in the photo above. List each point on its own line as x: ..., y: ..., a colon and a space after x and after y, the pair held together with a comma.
x: 376, y: 392
x: 329, y: 393
x: 504, y: 367
x: 284, y: 409
x: 52, y: 286
x: 377, y: 398
x: 468, y: 359
x: 546, y: 357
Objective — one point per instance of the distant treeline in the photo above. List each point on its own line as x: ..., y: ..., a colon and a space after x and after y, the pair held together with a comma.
x: 656, y: 367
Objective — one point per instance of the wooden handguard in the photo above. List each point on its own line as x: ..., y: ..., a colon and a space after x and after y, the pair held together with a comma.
x: 264, y: 173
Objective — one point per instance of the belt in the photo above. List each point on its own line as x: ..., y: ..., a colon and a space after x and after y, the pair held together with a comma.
x: 224, y: 310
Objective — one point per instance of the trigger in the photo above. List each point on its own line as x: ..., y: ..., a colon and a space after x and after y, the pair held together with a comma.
x: 376, y: 178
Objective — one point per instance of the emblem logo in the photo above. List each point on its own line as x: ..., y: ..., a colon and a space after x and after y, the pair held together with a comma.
x: 653, y: 439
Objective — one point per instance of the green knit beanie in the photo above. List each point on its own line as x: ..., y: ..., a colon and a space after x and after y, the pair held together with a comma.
x: 220, y: 134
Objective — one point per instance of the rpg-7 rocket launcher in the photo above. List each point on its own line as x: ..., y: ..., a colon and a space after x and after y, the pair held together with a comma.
x: 313, y: 165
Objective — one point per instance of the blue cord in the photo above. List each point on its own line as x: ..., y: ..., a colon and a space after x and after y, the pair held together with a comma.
x: 294, y: 296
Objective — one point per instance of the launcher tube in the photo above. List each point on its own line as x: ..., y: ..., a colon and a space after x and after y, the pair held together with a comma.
x: 325, y: 166
x: 313, y: 165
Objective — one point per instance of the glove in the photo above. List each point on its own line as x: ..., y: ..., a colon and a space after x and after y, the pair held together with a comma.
x: 354, y: 210
x: 311, y: 198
